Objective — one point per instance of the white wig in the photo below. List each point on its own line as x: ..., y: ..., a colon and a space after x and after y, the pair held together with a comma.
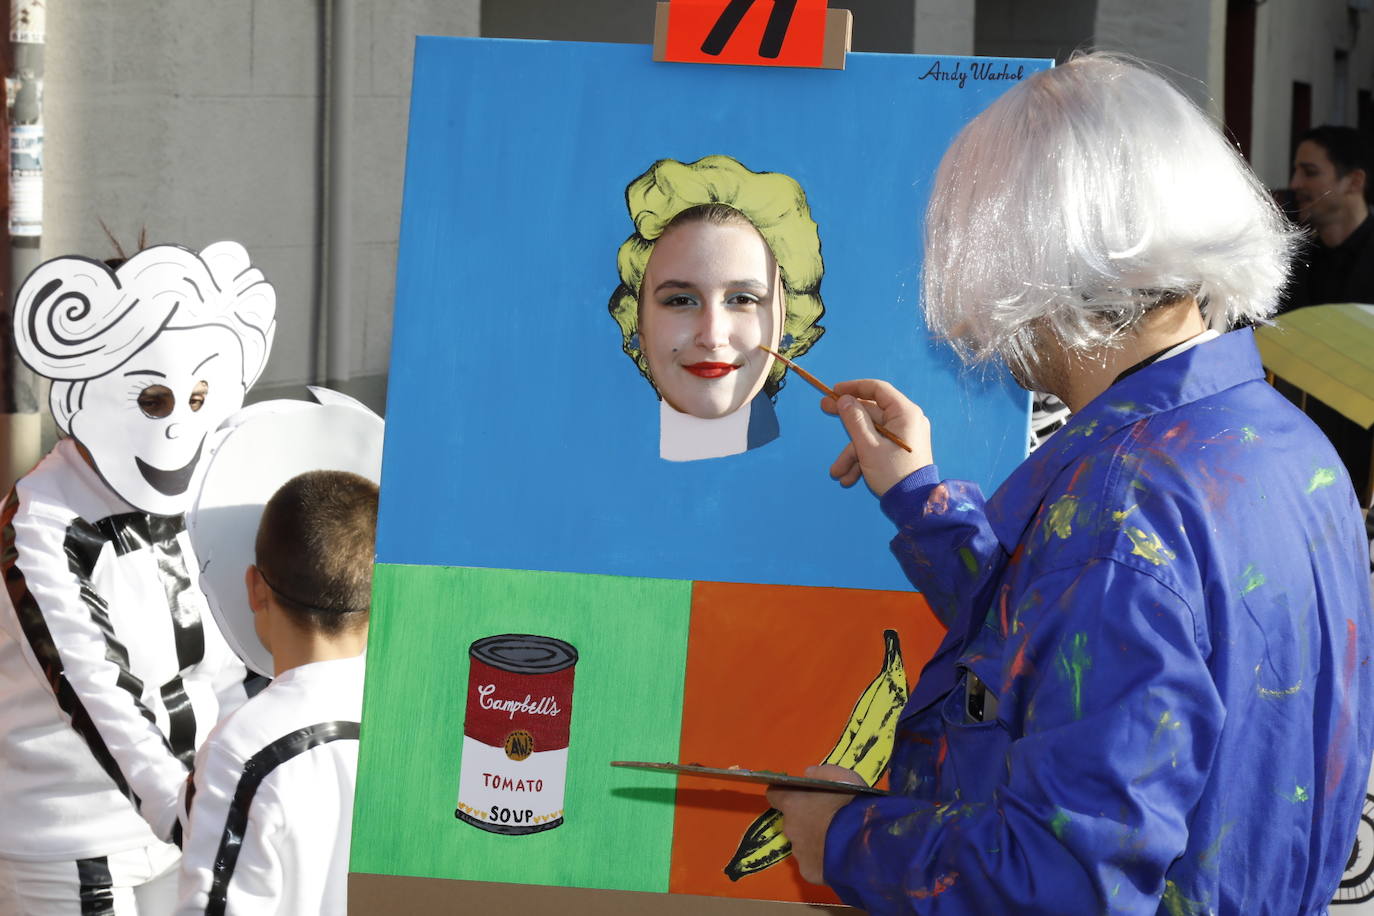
x: 1081, y: 199
x: 76, y: 319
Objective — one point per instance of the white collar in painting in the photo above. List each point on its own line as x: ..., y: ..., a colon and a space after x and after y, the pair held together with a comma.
x: 683, y: 437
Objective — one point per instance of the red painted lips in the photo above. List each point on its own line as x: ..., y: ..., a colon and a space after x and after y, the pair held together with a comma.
x: 711, y: 370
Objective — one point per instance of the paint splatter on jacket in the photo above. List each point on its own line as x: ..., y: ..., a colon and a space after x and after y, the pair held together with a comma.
x: 1168, y: 608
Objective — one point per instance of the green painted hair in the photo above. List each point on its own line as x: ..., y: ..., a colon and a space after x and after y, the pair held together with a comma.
x: 717, y: 189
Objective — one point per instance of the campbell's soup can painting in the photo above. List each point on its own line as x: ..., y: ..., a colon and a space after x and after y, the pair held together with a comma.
x: 515, y: 737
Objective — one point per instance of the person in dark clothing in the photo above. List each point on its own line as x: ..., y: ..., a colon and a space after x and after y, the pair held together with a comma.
x: 1331, y: 188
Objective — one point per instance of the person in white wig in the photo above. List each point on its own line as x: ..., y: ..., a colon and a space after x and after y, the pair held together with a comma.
x: 1155, y: 691
x: 111, y: 669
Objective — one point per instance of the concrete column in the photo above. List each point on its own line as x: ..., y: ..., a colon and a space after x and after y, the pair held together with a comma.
x: 944, y: 26
x: 1177, y: 35
x: 913, y: 26
x: 1215, y: 72
x: 1033, y: 28
x: 21, y: 428
x: 338, y: 284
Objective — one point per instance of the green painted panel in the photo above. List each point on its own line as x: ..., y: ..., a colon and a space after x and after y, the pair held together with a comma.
x: 631, y: 636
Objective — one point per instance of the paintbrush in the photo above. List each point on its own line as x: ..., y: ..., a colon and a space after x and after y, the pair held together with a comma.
x: 827, y: 390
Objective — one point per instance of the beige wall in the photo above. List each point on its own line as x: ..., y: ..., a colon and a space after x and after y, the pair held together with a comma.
x: 1183, y: 37
x: 204, y: 121
x: 1295, y: 40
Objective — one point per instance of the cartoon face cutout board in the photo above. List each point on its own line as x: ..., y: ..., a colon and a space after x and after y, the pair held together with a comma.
x: 255, y: 452
x: 146, y: 359
x: 553, y: 592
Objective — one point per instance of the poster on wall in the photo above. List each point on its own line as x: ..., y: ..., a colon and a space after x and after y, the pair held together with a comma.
x: 607, y: 530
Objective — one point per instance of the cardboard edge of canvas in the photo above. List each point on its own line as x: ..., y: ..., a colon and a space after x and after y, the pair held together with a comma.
x: 368, y: 894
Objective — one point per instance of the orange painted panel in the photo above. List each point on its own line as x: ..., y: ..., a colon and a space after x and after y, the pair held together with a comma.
x: 773, y: 673
x: 778, y: 33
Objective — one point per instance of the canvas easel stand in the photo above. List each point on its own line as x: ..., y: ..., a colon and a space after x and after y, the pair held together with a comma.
x: 827, y: 46
x: 702, y: 611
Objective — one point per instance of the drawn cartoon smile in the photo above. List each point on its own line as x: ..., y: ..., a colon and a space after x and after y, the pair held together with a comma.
x: 170, y: 483
x: 711, y: 370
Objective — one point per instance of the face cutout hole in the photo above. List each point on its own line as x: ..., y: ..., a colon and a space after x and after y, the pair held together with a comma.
x: 198, y: 395
x: 156, y: 401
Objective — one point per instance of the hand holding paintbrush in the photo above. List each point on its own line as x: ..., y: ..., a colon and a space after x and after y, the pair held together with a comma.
x: 880, y: 466
x: 826, y: 389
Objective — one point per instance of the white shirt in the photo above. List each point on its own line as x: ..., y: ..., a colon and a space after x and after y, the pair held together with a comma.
x: 682, y: 437
x: 112, y: 670
x: 273, y: 837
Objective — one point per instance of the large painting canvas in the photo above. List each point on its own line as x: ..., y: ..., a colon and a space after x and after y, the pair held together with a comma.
x: 607, y: 530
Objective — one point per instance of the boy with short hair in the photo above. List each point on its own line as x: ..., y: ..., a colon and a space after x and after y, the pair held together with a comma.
x: 269, y: 811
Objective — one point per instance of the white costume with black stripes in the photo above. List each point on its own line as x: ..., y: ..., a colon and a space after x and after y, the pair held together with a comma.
x: 112, y: 670
x: 272, y: 808
x: 136, y: 882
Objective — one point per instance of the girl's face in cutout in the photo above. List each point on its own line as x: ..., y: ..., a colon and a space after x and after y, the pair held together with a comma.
x: 711, y: 296
x: 145, y: 423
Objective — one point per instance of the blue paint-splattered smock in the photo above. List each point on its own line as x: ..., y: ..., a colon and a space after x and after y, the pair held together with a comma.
x: 1169, y: 605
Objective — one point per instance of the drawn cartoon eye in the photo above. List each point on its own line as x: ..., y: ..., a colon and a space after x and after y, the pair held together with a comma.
x: 198, y: 393
x: 156, y: 401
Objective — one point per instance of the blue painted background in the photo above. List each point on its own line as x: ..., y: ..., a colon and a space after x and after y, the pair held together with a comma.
x: 519, y: 435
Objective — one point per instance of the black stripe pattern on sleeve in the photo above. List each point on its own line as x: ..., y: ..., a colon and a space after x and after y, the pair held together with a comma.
x: 96, y: 887
x: 137, y: 531
x: 258, y: 767
x: 83, y: 545
x: 44, y: 648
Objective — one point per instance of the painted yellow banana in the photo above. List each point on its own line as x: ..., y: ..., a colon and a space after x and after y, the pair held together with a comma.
x: 763, y: 844
x: 865, y: 746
